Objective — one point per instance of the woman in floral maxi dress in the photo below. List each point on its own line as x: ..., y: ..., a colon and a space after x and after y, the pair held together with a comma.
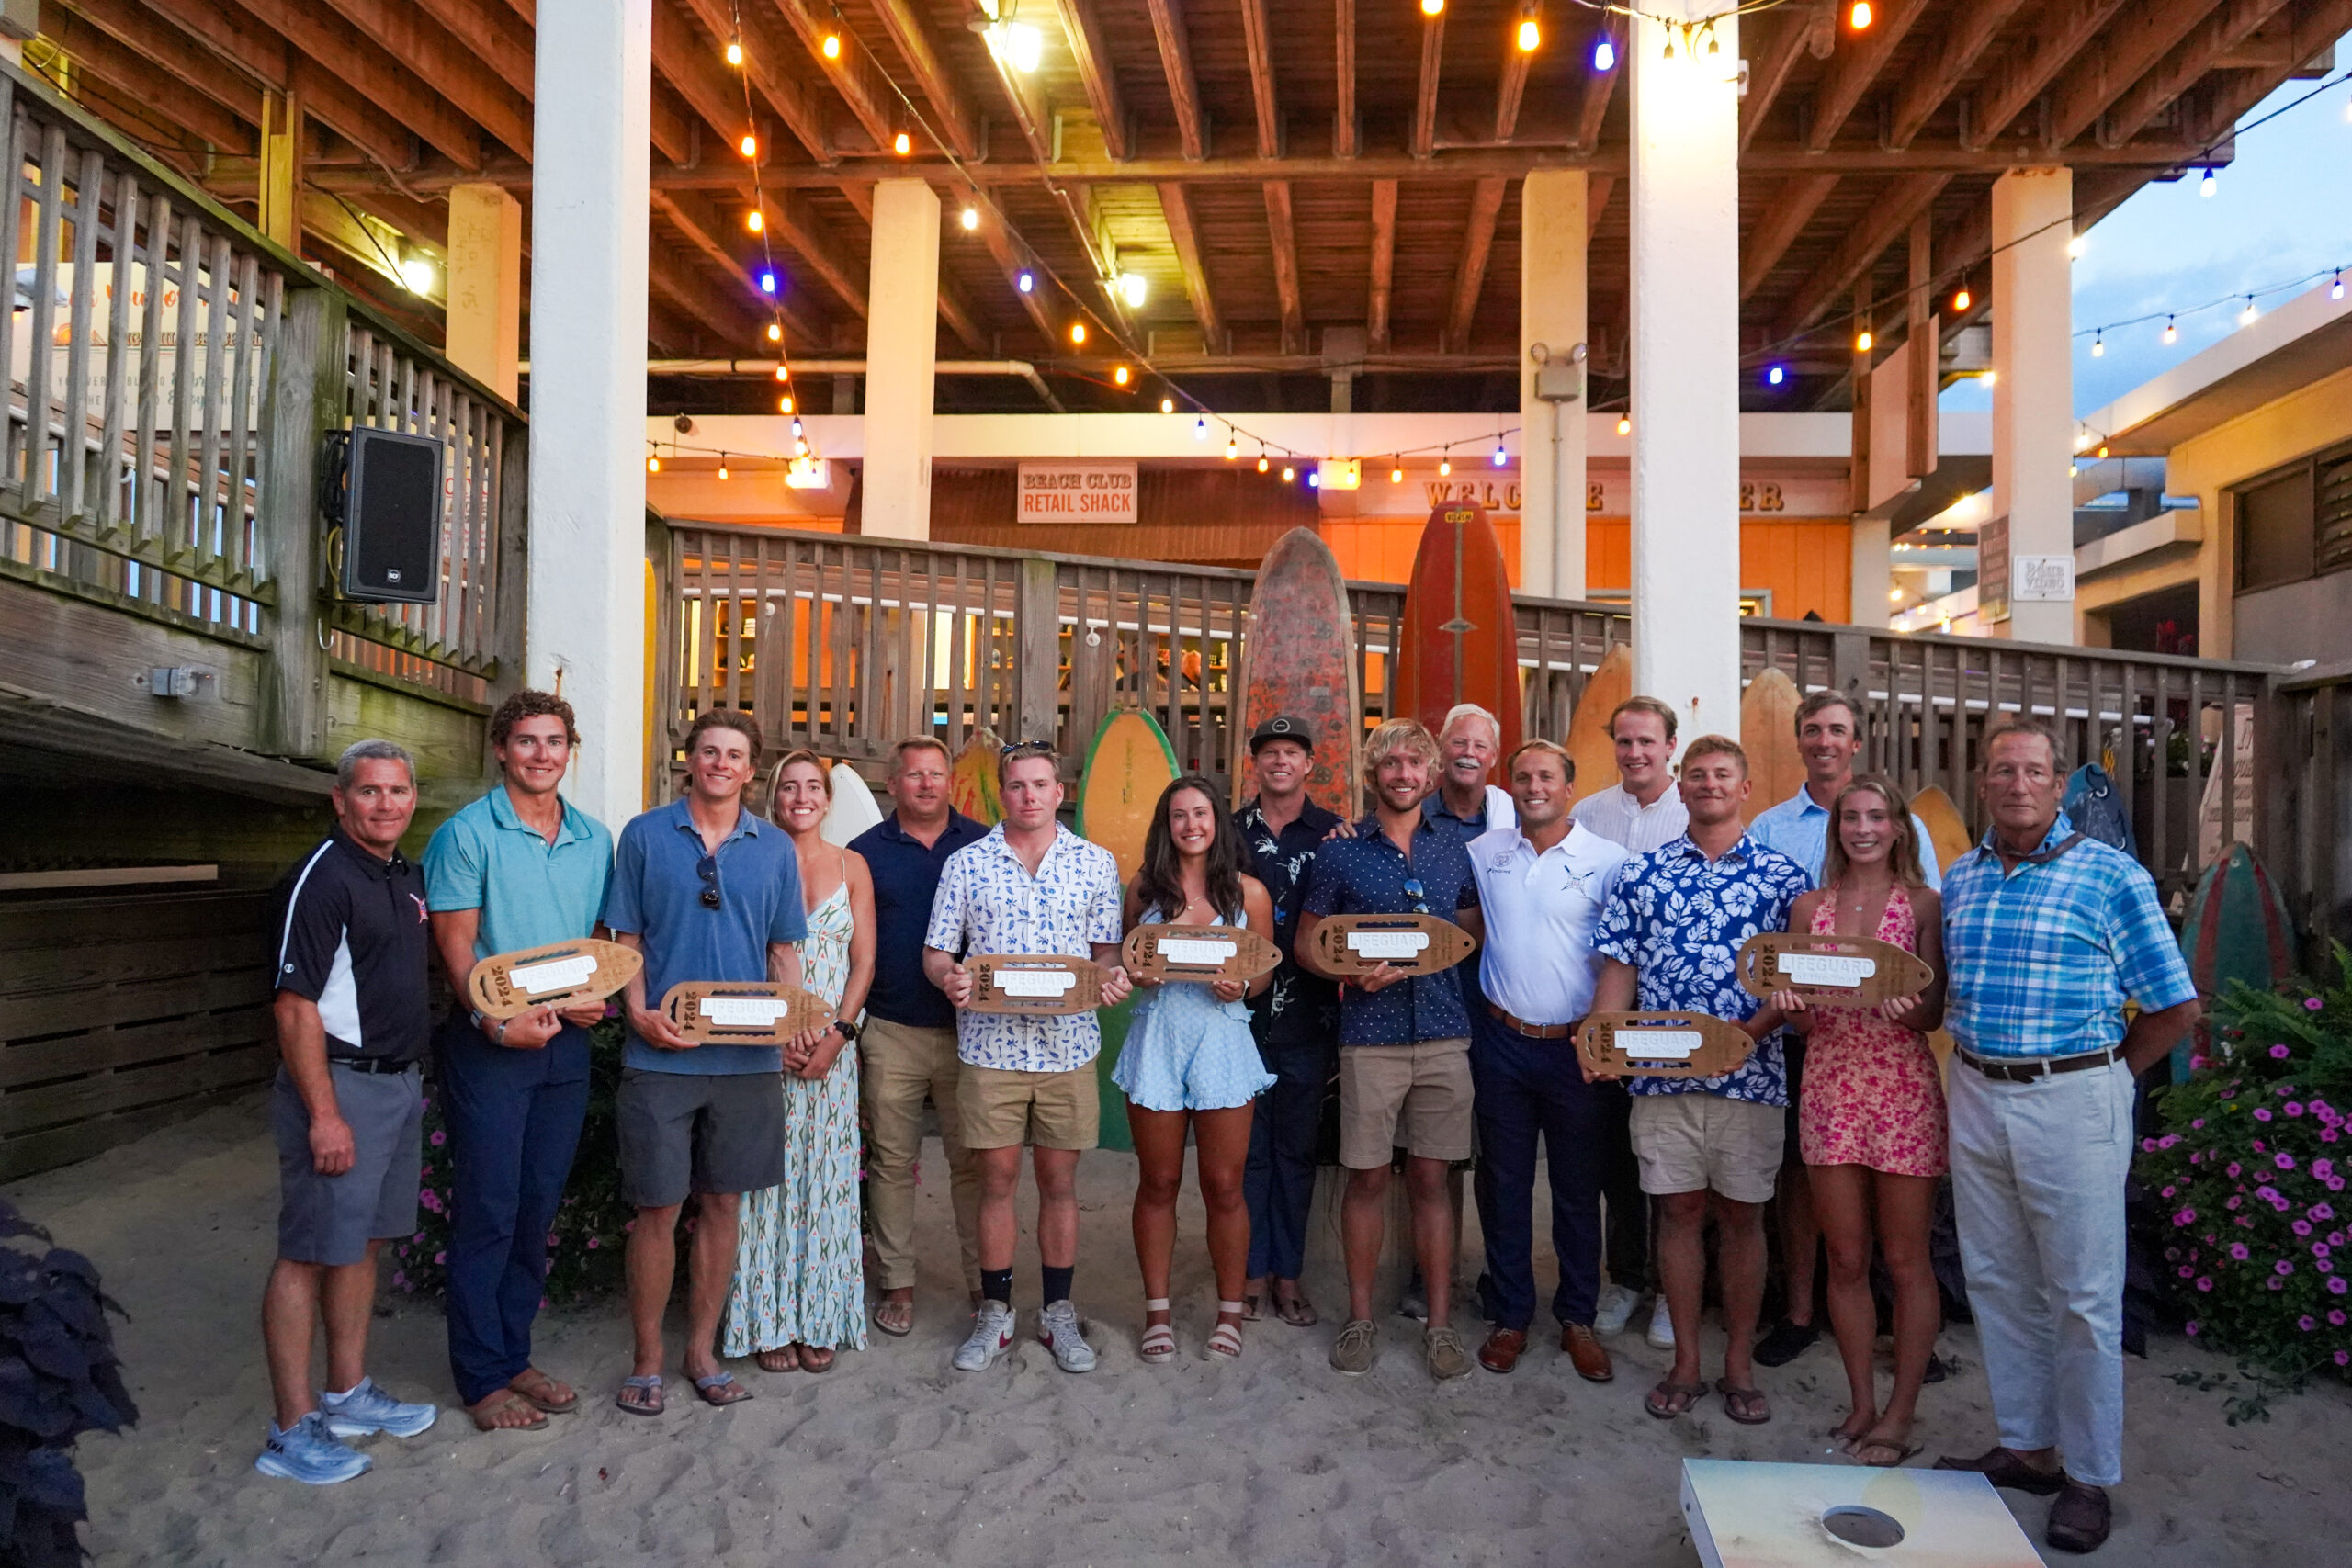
x: 799, y: 1287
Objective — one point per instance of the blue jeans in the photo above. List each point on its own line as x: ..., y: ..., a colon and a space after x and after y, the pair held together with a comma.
x: 1528, y: 1088
x: 1277, y: 1183
x: 513, y: 1118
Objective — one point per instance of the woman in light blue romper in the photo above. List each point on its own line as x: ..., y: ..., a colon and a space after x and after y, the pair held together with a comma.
x: 1190, y: 1063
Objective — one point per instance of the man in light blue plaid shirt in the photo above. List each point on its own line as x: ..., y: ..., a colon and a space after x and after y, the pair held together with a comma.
x: 2047, y: 933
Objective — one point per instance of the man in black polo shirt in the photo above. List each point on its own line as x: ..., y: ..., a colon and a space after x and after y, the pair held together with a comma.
x: 352, y: 1016
x: 908, y: 1047
x: 1297, y: 1021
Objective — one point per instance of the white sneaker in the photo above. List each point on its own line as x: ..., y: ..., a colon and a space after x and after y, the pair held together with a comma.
x: 1616, y: 1308
x: 1057, y: 1331
x: 991, y: 1336
x: 1661, y: 1334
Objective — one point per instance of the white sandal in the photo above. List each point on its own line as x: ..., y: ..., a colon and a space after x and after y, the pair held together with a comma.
x: 1158, y: 1345
x: 1225, y: 1339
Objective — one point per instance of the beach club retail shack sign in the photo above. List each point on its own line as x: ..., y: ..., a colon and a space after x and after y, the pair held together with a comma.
x: 1075, y: 493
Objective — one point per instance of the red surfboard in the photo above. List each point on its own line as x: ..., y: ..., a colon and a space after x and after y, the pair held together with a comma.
x: 1459, y: 642
x: 1299, y: 659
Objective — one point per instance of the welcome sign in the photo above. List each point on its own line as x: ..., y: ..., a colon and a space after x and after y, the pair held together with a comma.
x: 1077, y: 492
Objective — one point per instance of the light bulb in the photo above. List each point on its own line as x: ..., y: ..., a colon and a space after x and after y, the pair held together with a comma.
x: 1863, y: 340
x: 902, y: 144
x: 2172, y: 332
x: 767, y: 282
x: 1625, y: 425
x: 2099, y: 346
x: 754, y: 222
x: 1133, y: 289
x: 1397, y: 471
x: 799, y: 448
x: 1990, y: 377
x: 1078, y: 331
x: 832, y: 46
x: 1289, y: 473
x: 1262, y: 464
x: 722, y: 466
x: 1119, y: 376
x: 417, y: 272
x: 971, y: 218
x: 796, y: 430
x: 653, y: 462
x: 1961, y: 300
x: 748, y: 146
x: 1201, y: 427
x: 1669, y: 52
x: 1861, y: 15
x: 1314, y: 477
x: 1432, y: 7
x: 2246, y: 316
x: 1232, y: 449
x: 784, y: 372
x: 1776, y: 375
x: 784, y: 404
x: 734, y: 53
x: 1166, y: 405
x: 2077, y: 246
x: 1604, y: 54
x: 1715, y: 45
x: 1445, y: 463
x: 1531, y: 37
x: 1026, y: 282
x: 776, y: 332
x: 2206, y: 185
x: 2102, y: 448
x: 1895, y: 596
x: 1501, y: 457
x: 2082, y: 441
x: 2336, y: 290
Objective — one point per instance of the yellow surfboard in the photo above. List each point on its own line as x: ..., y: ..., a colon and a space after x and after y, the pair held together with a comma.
x: 1127, y: 768
x: 1946, y: 827
x: 971, y: 782
x: 1767, y: 733
x: 1588, y: 741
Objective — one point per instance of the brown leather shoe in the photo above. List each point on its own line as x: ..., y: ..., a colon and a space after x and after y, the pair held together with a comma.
x: 1586, y: 1352
x: 2002, y: 1467
x: 1502, y: 1350
x: 2080, y: 1520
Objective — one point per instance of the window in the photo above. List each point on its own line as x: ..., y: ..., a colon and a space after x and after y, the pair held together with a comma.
x: 2295, y: 523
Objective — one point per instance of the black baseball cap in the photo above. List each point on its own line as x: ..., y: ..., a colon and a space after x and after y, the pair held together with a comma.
x: 1282, y: 727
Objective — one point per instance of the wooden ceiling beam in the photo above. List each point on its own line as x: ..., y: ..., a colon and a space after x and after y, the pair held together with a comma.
x: 1184, y: 88
x: 1973, y: 28
x: 163, y: 44
x: 956, y: 117
x: 1283, y: 235
x: 1009, y: 262
x: 1888, y: 220
x: 1597, y: 188
x: 1347, y: 133
x: 803, y: 109
x: 2031, y: 65
x: 1855, y: 68
x: 1799, y: 33
x: 1082, y: 25
x: 1424, y: 139
x: 1792, y: 207
x: 1384, y: 263
x: 501, y: 41
x: 425, y: 48
x: 1470, y: 272
x: 705, y: 306
x: 701, y: 228
x: 1512, y: 88
x: 698, y: 75
x: 2318, y: 24
x: 1025, y: 94
x: 855, y: 74
x: 1592, y: 105
x: 2128, y: 51
x: 1257, y: 42
x: 2214, y: 35
x: 1176, y: 207
x: 375, y: 74
x: 141, y: 89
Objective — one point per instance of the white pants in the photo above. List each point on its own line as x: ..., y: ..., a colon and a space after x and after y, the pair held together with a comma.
x: 2037, y: 1175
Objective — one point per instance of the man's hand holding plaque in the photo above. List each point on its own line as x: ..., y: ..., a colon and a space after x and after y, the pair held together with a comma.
x: 1660, y: 1046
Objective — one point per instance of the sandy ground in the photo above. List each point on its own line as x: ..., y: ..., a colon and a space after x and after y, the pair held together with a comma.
x: 895, y: 1457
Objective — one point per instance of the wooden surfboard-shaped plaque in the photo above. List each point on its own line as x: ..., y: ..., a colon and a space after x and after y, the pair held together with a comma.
x: 721, y: 1012
x: 1419, y: 944
x: 1198, y: 953
x: 1040, y: 983
x: 1661, y: 1045
x: 1831, y: 971
x: 508, y: 985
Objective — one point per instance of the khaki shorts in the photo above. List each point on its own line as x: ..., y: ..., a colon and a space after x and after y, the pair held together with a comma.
x: 1694, y: 1142
x: 1416, y: 1096
x: 1053, y: 1110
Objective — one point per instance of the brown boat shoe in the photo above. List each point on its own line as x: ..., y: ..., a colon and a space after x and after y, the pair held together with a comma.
x: 1502, y: 1350
x: 1586, y: 1352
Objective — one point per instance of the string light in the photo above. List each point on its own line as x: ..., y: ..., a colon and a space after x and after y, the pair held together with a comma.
x: 734, y: 52
x: 971, y: 218
x: 2246, y: 316
x: 1134, y: 289
x: 902, y: 144
x: 1445, y: 463
x: 1989, y: 376
x: 722, y: 465
x: 1669, y: 52
x: 784, y: 404
x: 767, y: 280
x: 1861, y: 15
x: 1263, y: 464
x: 1026, y: 281
x: 1776, y: 375
x: 1531, y: 37
x: 653, y: 462
x: 1078, y: 332
x: 748, y: 146
x: 1714, y: 44
x: 2077, y: 246
x: 832, y: 46
x: 1432, y: 7
x: 2102, y: 448
x: 1397, y: 470
x: 1201, y: 427
x: 754, y: 222
x: 2172, y: 331
x: 1166, y: 405
x: 1314, y: 477
x: 1863, y: 340
x: 1625, y: 425
x: 1501, y: 457
x: 1604, y: 54
x: 796, y: 430
x: 1289, y: 474
x: 2098, y: 345
x: 776, y: 332
x: 2206, y: 187
x: 1232, y: 448
x: 799, y: 448
x: 1962, y: 300
x: 2336, y: 290
x: 1120, y: 376
x: 784, y: 372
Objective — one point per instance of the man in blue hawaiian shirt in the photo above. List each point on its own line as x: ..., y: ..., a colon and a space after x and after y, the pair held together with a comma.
x: 1671, y: 935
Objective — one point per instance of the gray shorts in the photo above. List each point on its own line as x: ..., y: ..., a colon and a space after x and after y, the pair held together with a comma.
x: 330, y: 1219
x: 684, y: 1133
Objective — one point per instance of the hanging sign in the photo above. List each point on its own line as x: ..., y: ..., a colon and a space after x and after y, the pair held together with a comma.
x: 1077, y: 492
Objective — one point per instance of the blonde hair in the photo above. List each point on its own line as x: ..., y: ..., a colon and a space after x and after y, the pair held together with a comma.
x: 797, y: 754
x: 1715, y: 746
x: 1549, y: 748
x: 1405, y: 735
x: 1902, y: 855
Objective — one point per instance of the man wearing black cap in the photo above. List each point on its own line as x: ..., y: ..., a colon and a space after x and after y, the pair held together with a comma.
x: 1297, y: 1021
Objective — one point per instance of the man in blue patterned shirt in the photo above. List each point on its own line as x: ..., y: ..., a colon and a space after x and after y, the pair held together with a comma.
x: 1671, y: 935
x: 2048, y: 933
x: 1030, y: 885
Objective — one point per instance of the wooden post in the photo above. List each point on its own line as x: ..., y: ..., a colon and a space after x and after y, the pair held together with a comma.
x: 304, y: 400
x: 281, y: 167
x: 1925, y: 335
x: 1037, y: 626
x: 511, y: 589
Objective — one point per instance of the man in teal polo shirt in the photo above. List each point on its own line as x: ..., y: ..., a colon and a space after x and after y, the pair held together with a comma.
x: 519, y: 868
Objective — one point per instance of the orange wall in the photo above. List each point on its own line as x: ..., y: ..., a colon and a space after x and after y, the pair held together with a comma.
x: 1380, y: 549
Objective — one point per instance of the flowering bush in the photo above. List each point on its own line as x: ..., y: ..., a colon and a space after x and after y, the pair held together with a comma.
x: 2251, y: 1171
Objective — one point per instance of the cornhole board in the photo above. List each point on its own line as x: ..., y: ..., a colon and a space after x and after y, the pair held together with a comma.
x: 721, y: 1012
x: 1832, y: 971
x: 971, y: 781
x: 2236, y: 929
x: 508, y: 985
x: 1417, y: 944
x: 853, y: 809
x: 1458, y: 639
x: 1298, y: 656
x: 1127, y: 768
x: 1044, y: 985
x: 1767, y: 733
x: 1661, y: 1046
x: 1947, y: 828
x: 1747, y: 1514
x: 1590, y: 744
x: 1200, y: 954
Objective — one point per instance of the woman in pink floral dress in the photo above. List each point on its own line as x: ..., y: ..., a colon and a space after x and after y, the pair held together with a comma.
x: 1871, y: 1123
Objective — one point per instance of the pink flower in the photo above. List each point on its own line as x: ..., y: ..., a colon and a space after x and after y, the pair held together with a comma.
x: 2335, y: 1238
x: 2312, y: 1004
x: 2238, y: 1251
x: 593, y: 1244
x: 418, y: 1237
x: 2276, y: 1283
x: 2337, y: 1286
x: 2186, y: 1217
x: 2307, y: 1323
x: 2282, y: 1266
x: 2294, y: 1108
x: 2302, y: 1227
x: 2323, y: 1167
x: 400, y: 1279
x: 2279, y: 1052
x: 2266, y: 1192
x: 440, y: 1258
x: 2185, y: 1271
x: 2147, y: 1145
x: 440, y: 1138
x: 2204, y: 1281
x: 2343, y: 1358
x: 2283, y: 1161
x: 2233, y: 1168
x: 2321, y: 1212
x: 2262, y: 1113
x: 2171, y: 1191
x: 2198, y: 1122
x: 551, y: 1241
x: 2335, y: 1316
x: 2320, y: 1249
x: 2190, y: 1326
x: 2258, y: 1146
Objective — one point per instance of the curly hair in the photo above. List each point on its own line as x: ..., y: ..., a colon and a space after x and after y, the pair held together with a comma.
x: 1406, y: 736
x: 528, y: 703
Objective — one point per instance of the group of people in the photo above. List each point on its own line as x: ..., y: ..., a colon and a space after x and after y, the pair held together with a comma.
x: 1637, y: 897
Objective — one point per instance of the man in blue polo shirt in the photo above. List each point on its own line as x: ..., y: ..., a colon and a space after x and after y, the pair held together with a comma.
x: 706, y: 891
x: 908, y: 1047
x: 519, y: 868
x: 1403, y: 1039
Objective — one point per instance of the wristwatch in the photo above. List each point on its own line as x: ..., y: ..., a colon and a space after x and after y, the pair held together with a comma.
x: 847, y: 1029
x: 499, y: 1035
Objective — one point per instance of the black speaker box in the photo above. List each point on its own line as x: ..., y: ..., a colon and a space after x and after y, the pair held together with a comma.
x: 391, y: 517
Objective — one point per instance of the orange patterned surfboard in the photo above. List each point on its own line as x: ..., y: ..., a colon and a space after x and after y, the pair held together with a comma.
x: 1300, y: 657
x: 1459, y: 639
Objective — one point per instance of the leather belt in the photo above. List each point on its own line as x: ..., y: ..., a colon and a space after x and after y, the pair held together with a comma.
x: 1533, y: 1031
x: 2027, y: 1069
x: 368, y: 1065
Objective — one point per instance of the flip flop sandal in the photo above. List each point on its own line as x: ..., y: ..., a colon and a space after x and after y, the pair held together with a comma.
x: 551, y: 1407
x: 1903, y: 1452
x: 810, y: 1363
x: 650, y: 1386
x: 720, y: 1390
x: 1253, y: 1307
x: 1670, y: 1399
x: 1298, y: 1312
x: 895, y: 1326
x: 1158, y: 1346
x: 1747, y: 1400
x: 1225, y: 1339
x: 485, y: 1414
x: 784, y: 1358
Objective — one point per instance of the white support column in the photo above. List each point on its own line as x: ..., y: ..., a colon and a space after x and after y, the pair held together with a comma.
x: 486, y: 286
x: 591, y: 118
x: 1685, y: 195
x: 901, y: 349
x: 1553, y: 242
x: 2033, y: 384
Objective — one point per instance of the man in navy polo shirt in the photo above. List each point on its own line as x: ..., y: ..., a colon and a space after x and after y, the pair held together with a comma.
x: 908, y: 1047
x: 1403, y: 1039
x: 706, y: 891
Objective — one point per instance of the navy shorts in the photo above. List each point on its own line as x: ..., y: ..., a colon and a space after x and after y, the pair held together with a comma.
x: 698, y: 1132
x: 330, y: 1219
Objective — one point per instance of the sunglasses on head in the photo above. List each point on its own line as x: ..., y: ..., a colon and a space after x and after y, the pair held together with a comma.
x: 1027, y: 749
x: 708, y: 869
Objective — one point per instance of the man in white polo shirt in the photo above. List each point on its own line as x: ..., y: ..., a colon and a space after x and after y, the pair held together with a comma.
x: 1544, y: 883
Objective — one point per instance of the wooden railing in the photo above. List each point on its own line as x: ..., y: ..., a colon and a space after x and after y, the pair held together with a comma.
x: 2306, y: 741
x: 846, y: 644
